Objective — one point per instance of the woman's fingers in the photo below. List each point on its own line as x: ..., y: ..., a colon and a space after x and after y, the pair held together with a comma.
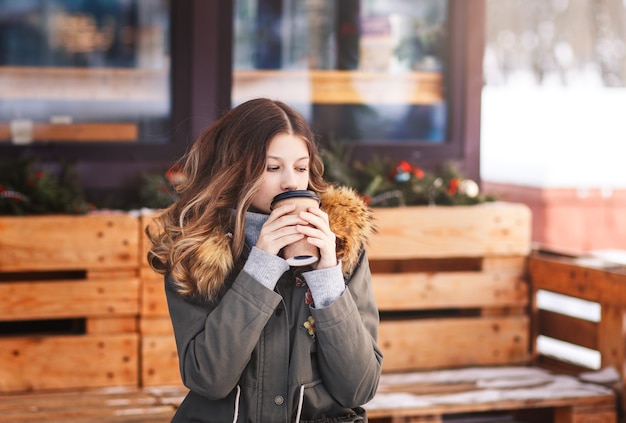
x: 280, y: 229
x: 318, y: 233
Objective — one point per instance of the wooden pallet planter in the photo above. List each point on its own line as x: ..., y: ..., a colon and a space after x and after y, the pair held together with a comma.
x: 486, y: 245
x: 454, y: 297
x: 451, y: 284
x: 456, y: 276
x: 70, y: 299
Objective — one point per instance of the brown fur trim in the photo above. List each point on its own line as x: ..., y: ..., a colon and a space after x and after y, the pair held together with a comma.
x: 215, y: 262
x: 350, y: 220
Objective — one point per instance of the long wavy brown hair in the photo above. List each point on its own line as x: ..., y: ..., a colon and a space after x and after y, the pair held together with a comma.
x: 223, y: 171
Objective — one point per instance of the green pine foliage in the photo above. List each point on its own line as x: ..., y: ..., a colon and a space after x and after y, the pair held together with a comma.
x: 386, y: 183
x: 26, y: 188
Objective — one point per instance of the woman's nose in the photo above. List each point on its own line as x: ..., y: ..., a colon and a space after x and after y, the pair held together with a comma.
x: 288, y: 181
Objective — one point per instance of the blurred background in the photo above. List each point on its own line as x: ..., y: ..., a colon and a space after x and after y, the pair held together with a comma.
x: 524, y: 96
x: 552, y: 131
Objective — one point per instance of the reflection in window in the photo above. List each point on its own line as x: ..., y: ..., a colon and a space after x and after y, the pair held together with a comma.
x: 359, y: 70
x: 73, y: 70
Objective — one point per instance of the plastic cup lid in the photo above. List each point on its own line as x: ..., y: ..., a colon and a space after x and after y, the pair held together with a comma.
x: 298, y: 193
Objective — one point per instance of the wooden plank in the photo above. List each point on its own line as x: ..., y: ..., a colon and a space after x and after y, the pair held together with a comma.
x: 122, y: 405
x: 578, y: 280
x: 156, y: 325
x: 59, y: 242
x: 569, y: 329
x: 153, y: 302
x: 146, y: 273
x: 102, y: 405
x: 159, y: 361
x: 121, y: 414
x: 82, y: 132
x: 435, y: 343
x: 410, y: 291
x: 460, y: 231
x: 145, y: 220
x: 59, y: 362
x: 69, y: 298
x: 49, y: 400
x: 612, y: 338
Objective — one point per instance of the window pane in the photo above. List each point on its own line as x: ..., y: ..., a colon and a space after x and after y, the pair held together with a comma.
x: 366, y: 71
x: 73, y: 70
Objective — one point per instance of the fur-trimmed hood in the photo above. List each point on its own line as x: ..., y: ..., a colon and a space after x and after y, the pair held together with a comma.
x: 349, y: 219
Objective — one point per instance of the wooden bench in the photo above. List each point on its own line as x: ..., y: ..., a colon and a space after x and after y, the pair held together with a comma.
x: 459, y: 322
x: 456, y: 288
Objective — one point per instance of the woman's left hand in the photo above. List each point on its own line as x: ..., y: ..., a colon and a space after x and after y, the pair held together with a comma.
x: 319, y: 234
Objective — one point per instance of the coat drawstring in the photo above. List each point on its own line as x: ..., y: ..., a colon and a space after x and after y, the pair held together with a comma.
x: 300, y: 401
x: 237, y: 404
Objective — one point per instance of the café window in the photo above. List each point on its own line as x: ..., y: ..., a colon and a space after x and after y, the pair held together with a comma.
x: 84, y: 71
x: 369, y: 72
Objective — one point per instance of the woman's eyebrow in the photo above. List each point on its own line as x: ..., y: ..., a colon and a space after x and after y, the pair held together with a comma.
x: 281, y: 158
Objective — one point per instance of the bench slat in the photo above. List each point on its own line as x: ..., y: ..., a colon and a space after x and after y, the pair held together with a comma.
x: 410, y: 291
x: 452, y: 342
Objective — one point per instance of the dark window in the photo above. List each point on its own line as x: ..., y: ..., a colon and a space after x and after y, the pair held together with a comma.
x: 85, y: 71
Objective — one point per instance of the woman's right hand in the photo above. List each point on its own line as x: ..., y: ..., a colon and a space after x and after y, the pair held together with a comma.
x: 280, y: 229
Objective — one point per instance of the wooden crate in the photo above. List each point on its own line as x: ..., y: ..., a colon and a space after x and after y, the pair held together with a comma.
x: 465, y: 265
x: 70, y: 294
x: 450, y: 285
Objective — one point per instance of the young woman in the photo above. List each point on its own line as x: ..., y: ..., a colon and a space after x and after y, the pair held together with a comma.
x: 259, y: 341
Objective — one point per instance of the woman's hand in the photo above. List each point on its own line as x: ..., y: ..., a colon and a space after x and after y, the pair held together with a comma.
x: 280, y: 229
x: 319, y: 234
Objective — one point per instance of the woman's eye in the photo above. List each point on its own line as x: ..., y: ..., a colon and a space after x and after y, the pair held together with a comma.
x: 302, y: 169
x: 272, y: 168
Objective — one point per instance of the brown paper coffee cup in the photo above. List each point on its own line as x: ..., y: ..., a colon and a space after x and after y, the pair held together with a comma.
x: 300, y: 253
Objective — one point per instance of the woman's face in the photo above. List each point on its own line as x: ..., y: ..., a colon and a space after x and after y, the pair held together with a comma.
x: 286, y: 169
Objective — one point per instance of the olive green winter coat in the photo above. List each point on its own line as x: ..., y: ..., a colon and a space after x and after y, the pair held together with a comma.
x: 250, y: 357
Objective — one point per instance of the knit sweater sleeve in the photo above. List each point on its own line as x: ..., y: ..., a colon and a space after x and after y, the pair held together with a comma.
x: 265, y: 267
x: 326, y: 285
